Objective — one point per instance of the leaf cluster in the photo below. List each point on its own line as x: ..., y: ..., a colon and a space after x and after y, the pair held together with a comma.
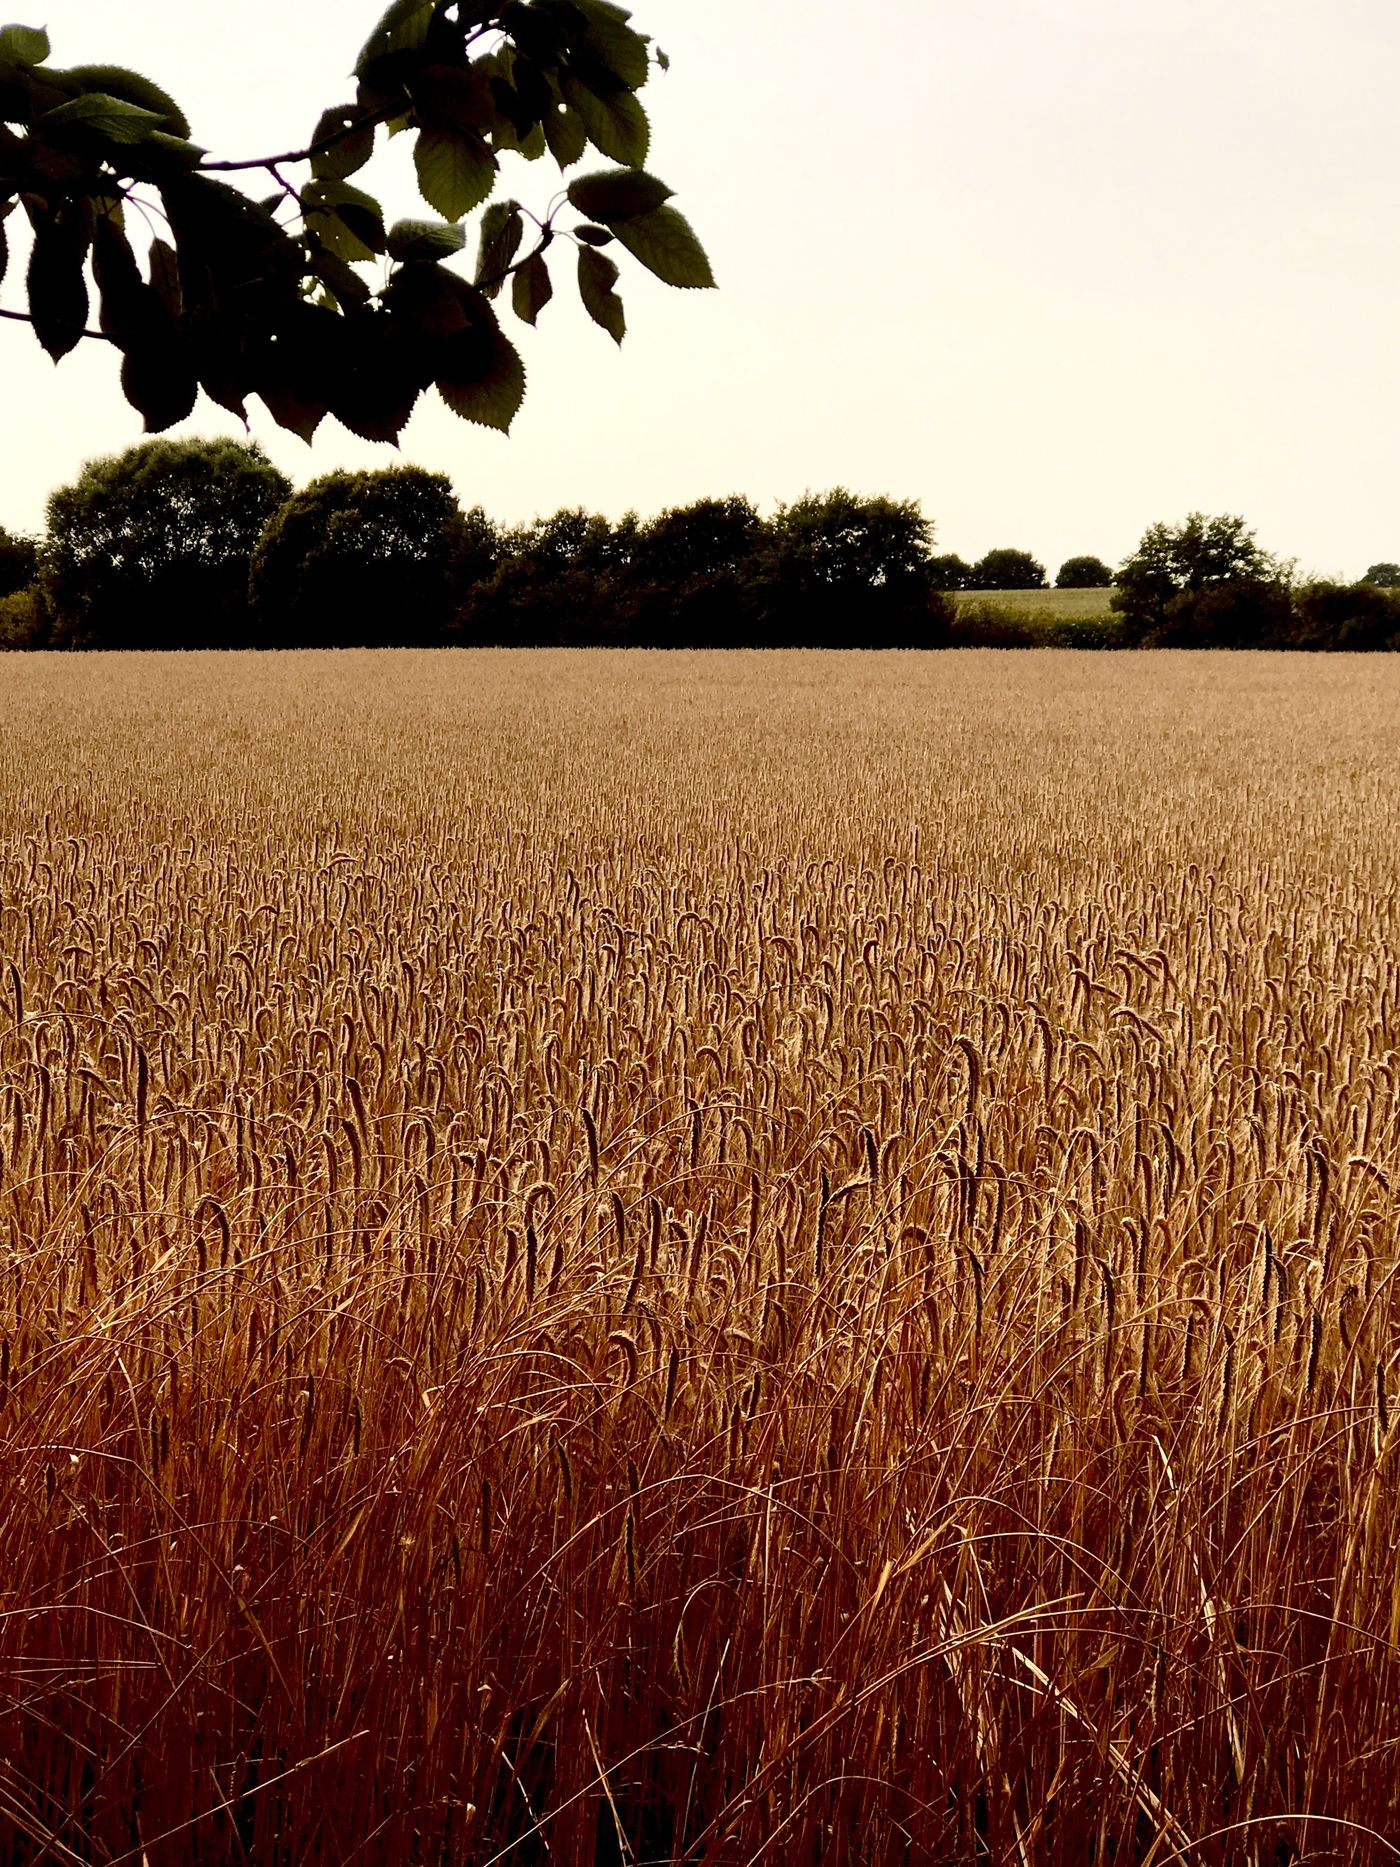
x: 267, y: 298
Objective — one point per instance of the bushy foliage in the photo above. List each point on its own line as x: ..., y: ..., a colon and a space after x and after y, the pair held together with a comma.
x: 363, y: 558
x: 1353, y: 617
x: 1385, y: 576
x: 150, y: 548
x: 1204, y: 583
x: 949, y: 572
x: 1083, y: 573
x: 1007, y: 569
x: 838, y: 570
x: 19, y: 562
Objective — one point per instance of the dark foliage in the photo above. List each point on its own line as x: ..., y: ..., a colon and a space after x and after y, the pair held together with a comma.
x: 150, y: 548
x: 1083, y: 573
x: 949, y: 572
x: 1007, y: 569
x: 1204, y: 583
x: 1385, y: 576
x: 374, y: 559
x: 838, y: 570
x: 1364, y: 616
x: 237, y: 302
x: 19, y: 562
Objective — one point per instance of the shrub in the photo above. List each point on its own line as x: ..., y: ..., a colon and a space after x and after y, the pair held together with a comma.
x: 19, y: 562
x: 24, y: 620
x: 1346, y: 616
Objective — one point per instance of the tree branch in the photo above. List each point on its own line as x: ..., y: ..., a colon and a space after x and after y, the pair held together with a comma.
x: 23, y: 317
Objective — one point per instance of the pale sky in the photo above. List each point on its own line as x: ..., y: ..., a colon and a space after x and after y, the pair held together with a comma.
x: 1056, y: 268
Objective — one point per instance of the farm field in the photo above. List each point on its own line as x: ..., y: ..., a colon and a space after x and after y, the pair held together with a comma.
x: 1054, y: 605
x: 699, y: 1258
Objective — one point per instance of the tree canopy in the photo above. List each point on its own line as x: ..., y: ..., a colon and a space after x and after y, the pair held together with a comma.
x: 1083, y: 573
x: 243, y: 297
x: 19, y: 559
x: 1203, y: 582
x: 1007, y: 569
x: 150, y: 548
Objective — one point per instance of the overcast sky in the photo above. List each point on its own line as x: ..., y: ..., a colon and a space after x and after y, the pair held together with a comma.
x: 1056, y: 268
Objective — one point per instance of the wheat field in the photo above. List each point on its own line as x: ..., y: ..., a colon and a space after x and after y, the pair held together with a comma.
x: 715, y: 1259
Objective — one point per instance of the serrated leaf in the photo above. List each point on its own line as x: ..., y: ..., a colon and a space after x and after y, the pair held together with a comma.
x: 58, y: 294
x: 613, y: 43
x: 24, y: 45
x: 482, y: 378
x: 615, y: 195
x: 117, y: 81
x: 616, y: 124
x: 159, y: 381
x: 348, y: 221
x: 531, y: 288
x: 456, y: 173
x: 339, y: 278
x: 665, y: 243
x: 565, y: 135
x: 403, y: 28
x: 353, y: 145
x: 111, y: 118
x: 597, y: 275
x: 424, y: 239
x: 502, y: 230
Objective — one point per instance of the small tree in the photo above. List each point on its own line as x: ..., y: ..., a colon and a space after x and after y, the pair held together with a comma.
x: 1007, y: 569
x: 1083, y: 573
x: 363, y: 558
x: 1385, y: 576
x: 150, y: 548
x: 949, y: 572
x: 838, y: 570
x: 1353, y: 617
x: 1203, y: 583
x: 19, y: 562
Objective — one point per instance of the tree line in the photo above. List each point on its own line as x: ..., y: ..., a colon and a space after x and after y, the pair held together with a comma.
x: 205, y: 544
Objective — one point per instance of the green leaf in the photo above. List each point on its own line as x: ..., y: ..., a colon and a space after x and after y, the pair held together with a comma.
x: 531, y: 289
x: 665, y: 243
x: 455, y: 97
x: 424, y: 239
x: 24, y: 45
x: 482, y: 378
x: 58, y: 294
x: 455, y: 173
x: 615, y: 123
x: 353, y: 147
x: 613, y: 44
x: 403, y: 28
x: 502, y: 230
x: 131, y: 86
x: 339, y: 278
x: 111, y: 118
x: 348, y: 221
x: 565, y: 135
x: 597, y: 275
x: 615, y: 195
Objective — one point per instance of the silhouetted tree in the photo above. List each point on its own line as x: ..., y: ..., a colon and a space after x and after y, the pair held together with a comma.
x: 360, y: 558
x: 558, y: 583
x: 949, y: 572
x: 1083, y: 573
x: 1352, y: 617
x: 1384, y: 576
x: 838, y: 570
x: 19, y: 562
x: 150, y: 548
x: 1204, y: 583
x: 690, y: 581
x: 1008, y: 569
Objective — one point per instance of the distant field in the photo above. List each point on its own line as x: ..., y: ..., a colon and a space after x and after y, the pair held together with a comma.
x: 699, y: 1260
x: 1062, y: 605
